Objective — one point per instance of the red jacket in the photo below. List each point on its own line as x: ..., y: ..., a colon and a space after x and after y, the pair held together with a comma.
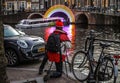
x: 55, y: 57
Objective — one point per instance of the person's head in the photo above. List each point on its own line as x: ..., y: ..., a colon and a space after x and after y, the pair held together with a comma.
x: 59, y: 24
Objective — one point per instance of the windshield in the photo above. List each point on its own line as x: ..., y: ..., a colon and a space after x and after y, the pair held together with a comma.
x: 23, y: 22
x: 9, y: 31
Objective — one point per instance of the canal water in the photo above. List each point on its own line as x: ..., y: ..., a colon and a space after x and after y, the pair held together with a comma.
x: 78, y: 33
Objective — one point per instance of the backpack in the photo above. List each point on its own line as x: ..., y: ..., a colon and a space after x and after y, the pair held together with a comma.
x: 53, y: 43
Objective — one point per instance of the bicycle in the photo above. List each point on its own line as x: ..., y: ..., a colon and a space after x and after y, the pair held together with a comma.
x: 114, y: 57
x: 83, y: 62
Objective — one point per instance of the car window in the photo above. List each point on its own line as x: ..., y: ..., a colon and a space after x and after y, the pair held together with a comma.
x: 21, y: 32
x: 23, y: 22
x: 9, y: 31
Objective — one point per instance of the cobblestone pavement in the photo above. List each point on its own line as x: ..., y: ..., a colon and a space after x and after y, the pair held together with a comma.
x: 22, y: 74
x: 30, y: 72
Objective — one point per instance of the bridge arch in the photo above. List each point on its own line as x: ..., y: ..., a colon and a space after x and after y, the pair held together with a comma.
x: 85, y: 18
x: 82, y: 19
x: 60, y: 11
x: 35, y: 15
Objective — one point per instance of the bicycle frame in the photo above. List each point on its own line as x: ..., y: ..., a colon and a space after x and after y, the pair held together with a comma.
x: 90, y: 54
x: 91, y: 60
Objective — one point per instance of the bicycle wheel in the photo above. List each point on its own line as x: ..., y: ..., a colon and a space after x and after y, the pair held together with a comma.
x: 104, y: 72
x: 80, y: 66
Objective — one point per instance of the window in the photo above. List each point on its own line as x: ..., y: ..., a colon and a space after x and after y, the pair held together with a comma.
x: 35, y: 0
x: 119, y: 4
x: 9, y: 5
x: 22, y: 4
x: 35, y: 6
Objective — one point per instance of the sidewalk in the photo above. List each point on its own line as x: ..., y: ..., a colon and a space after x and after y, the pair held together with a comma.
x: 21, y: 75
x: 30, y: 74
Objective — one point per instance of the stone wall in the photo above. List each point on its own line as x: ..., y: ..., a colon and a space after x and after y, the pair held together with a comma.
x: 92, y: 18
x: 14, y: 18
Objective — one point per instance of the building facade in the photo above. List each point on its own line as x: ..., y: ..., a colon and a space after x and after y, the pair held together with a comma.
x: 15, y: 5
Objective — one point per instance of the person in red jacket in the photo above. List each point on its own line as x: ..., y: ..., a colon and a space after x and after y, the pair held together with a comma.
x: 55, y: 56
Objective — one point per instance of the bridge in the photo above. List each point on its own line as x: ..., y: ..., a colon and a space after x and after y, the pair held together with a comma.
x: 96, y: 18
x: 81, y: 17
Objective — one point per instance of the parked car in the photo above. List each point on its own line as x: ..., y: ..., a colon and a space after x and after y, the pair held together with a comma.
x: 20, y: 47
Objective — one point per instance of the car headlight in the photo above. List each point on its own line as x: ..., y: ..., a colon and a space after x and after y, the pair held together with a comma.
x: 41, y: 40
x: 22, y: 44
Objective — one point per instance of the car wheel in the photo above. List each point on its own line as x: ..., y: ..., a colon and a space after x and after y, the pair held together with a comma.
x: 11, y: 57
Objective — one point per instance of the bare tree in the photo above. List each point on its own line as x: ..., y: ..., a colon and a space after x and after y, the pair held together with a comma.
x: 3, y: 60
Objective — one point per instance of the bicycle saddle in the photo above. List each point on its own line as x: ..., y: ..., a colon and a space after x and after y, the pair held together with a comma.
x: 104, y: 44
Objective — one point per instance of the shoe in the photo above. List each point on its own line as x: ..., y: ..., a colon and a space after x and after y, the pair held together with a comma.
x: 46, y: 77
x: 55, y: 75
x: 40, y: 71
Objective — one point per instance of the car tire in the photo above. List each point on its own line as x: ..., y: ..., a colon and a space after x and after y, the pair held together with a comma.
x: 11, y: 57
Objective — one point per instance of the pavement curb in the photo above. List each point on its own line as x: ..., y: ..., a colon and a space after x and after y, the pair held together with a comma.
x: 31, y: 80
